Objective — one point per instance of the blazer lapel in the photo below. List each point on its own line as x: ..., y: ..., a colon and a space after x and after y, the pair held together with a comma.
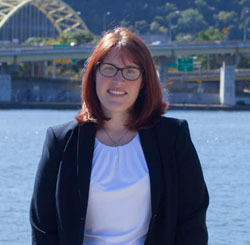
x: 152, y: 156
x: 85, y: 150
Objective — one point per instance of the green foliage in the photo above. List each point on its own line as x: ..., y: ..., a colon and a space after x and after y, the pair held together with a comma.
x: 78, y: 37
x: 125, y: 23
x: 186, y: 18
x: 81, y: 37
x: 208, y: 62
x: 170, y: 8
x: 154, y: 27
x: 65, y: 38
x: 191, y: 21
x: 140, y: 26
x: 37, y: 41
x: 224, y: 19
x: 211, y: 34
x: 244, y: 62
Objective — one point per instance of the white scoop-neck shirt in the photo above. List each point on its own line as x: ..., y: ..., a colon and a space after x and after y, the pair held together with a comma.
x: 119, y: 205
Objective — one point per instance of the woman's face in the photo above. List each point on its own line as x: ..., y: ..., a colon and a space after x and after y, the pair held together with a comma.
x: 116, y: 94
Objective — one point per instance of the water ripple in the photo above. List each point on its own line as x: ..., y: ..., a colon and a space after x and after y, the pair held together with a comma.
x: 222, y: 141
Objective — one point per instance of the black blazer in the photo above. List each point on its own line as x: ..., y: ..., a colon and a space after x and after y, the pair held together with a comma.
x: 179, y: 196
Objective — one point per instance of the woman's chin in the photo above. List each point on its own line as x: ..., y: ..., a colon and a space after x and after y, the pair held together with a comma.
x: 111, y: 109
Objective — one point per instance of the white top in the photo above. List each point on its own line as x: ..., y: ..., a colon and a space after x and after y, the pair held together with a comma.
x: 119, y: 205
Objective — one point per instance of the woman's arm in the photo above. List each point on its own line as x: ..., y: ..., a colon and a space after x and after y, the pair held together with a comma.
x: 193, y: 196
x: 43, y: 206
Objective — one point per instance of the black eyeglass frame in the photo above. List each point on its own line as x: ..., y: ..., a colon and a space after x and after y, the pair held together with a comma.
x: 120, y: 69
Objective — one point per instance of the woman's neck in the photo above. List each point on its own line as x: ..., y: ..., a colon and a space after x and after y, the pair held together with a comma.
x: 117, y: 122
x: 114, y: 131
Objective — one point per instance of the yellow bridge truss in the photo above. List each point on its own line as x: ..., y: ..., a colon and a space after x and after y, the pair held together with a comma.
x: 60, y: 15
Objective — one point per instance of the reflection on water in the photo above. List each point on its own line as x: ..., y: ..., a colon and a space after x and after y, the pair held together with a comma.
x: 222, y: 140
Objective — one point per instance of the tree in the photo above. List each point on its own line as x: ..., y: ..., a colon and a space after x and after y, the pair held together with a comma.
x: 191, y: 21
x: 154, y: 27
x: 211, y: 34
x: 77, y: 37
x: 140, y: 26
x: 65, y: 38
x: 226, y: 18
x: 37, y: 41
x: 81, y: 37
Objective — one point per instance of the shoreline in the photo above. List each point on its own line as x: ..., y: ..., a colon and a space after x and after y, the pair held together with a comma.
x: 77, y: 106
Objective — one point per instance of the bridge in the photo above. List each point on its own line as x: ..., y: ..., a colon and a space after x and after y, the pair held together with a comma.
x: 227, y: 55
x: 21, y: 19
x: 46, y: 53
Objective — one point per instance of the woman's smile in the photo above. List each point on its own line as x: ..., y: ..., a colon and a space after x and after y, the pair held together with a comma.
x: 116, y: 92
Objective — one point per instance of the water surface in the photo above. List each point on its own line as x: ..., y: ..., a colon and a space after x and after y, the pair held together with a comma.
x: 222, y: 140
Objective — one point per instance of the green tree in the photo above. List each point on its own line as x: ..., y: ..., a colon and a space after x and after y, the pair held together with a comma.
x: 160, y: 20
x: 155, y: 27
x: 244, y: 62
x: 183, y: 37
x: 225, y: 18
x: 65, y: 38
x: 140, y: 26
x: 77, y: 37
x: 125, y: 23
x: 191, y: 21
x: 195, y: 15
x: 211, y: 34
x: 37, y: 41
x: 81, y: 37
x: 170, y: 8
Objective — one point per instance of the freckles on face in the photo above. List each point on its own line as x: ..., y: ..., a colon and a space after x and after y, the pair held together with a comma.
x: 117, y: 94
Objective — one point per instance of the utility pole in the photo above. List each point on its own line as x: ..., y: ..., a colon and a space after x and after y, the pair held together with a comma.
x: 245, y: 26
x: 170, y: 38
x: 104, y: 20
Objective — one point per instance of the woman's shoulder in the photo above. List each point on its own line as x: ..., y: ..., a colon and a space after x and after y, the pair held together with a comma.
x: 64, y: 128
x: 171, y: 130
x: 68, y: 129
x: 171, y: 123
x: 61, y: 132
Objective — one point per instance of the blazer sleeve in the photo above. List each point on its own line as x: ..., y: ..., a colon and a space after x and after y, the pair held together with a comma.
x: 43, y: 206
x: 192, y: 192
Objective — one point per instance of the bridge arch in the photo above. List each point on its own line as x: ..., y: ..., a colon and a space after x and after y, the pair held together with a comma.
x: 18, y: 17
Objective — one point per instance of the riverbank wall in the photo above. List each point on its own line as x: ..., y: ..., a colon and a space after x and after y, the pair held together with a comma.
x: 62, y: 93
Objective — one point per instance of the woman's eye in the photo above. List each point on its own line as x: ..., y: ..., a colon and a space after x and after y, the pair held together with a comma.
x: 109, y: 69
x: 131, y: 71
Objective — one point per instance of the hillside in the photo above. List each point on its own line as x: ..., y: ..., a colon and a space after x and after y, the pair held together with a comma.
x: 184, y: 20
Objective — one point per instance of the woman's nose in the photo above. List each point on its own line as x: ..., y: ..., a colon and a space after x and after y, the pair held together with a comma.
x: 118, y: 77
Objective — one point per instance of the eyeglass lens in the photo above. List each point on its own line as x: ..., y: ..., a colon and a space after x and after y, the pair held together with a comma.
x: 129, y: 73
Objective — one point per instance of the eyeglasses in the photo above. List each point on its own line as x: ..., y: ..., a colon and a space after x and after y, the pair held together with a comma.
x: 130, y: 73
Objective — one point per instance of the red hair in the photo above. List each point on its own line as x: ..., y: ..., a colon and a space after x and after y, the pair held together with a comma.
x: 149, y: 105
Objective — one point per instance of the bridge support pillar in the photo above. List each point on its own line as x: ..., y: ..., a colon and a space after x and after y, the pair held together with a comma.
x: 53, y: 70
x: 162, y: 63
x: 5, y: 87
x: 32, y: 69
x: 45, y: 68
x: 227, y: 78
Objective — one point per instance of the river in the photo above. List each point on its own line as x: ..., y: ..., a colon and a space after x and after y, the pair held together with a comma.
x: 222, y: 140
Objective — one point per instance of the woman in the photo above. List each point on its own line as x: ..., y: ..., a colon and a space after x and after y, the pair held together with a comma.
x: 121, y: 173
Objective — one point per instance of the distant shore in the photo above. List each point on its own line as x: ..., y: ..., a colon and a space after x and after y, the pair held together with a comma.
x: 77, y: 106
